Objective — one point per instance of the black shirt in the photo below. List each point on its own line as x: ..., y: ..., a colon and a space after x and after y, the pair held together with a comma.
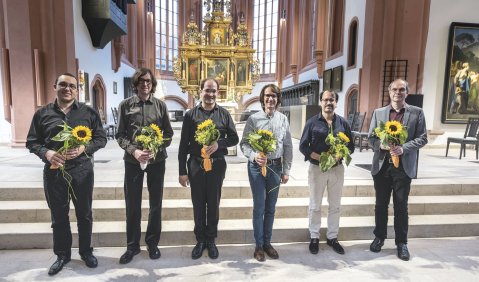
x: 133, y: 115
x: 45, y: 125
x: 224, y: 123
x: 315, y: 132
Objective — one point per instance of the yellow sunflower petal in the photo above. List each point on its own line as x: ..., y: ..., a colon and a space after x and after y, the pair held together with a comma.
x: 82, y: 133
x: 393, y: 127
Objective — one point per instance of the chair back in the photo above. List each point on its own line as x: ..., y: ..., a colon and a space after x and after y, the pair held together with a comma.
x: 472, y: 128
x: 358, y: 122
x: 114, y: 112
x: 351, y: 118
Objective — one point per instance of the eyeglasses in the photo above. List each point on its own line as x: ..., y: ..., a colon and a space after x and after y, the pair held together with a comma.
x: 142, y: 81
x: 271, y: 96
x: 328, y: 100
x: 210, y: 90
x: 400, y: 90
x: 64, y: 85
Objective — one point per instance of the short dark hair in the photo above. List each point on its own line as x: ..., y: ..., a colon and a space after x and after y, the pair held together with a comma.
x: 66, y: 74
x: 135, y: 79
x: 275, y: 89
x: 402, y: 80
x: 336, y: 95
x: 202, y: 83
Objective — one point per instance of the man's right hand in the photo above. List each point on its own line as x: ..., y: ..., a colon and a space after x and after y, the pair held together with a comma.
x: 184, y: 181
x: 142, y: 156
x: 56, y: 159
x: 315, y: 156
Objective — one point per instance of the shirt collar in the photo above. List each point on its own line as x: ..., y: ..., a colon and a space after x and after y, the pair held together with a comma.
x: 75, y: 104
x: 138, y: 100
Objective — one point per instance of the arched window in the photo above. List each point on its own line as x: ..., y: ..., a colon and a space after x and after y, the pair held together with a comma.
x: 265, y: 33
x: 353, y: 102
x: 166, y: 20
x: 336, y: 28
x: 353, y: 43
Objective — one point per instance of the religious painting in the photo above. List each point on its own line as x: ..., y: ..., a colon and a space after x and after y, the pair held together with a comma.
x: 337, y: 79
x: 461, y: 87
x: 327, y: 79
x: 241, y: 72
x: 217, y: 36
x: 217, y: 69
x: 193, y: 71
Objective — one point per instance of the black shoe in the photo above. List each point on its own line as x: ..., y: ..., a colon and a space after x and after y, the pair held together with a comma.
x: 58, y: 265
x: 259, y: 254
x: 154, y: 252
x: 314, y: 246
x: 212, y: 250
x: 403, y: 252
x: 336, y: 246
x: 270, y: 251
x: 90, y: 260
x: 128, y: 256
x: 198, y: 250
x: 376, y: 245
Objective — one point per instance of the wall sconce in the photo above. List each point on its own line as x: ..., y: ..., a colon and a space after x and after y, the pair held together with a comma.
x: 283, y: 14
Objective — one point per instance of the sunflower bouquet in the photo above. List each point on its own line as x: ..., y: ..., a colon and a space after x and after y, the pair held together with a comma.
x: 150, y: 138
x: 391, y: 133
x: 264, y: 142
x: 206, y: 133
x: 71, y: 138
x: 338, y: 149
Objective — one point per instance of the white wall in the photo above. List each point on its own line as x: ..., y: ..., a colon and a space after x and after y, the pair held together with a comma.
x: 98, y: 61
x: 5, y: 127
x: 442, y: 14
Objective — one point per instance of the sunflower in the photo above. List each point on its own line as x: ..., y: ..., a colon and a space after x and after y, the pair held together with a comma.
x: 265, y: 132
x: 393, y: 127
x: 157, y: 130
x: 343, y: 137
x: 82, y: 133
x: 205, y: 124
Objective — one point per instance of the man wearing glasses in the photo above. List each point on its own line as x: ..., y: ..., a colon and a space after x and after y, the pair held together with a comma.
x: 205, y: 185
x: 312, y: 144
x: 389, y: 179
x: 76, y: 162
x: 136, y: 112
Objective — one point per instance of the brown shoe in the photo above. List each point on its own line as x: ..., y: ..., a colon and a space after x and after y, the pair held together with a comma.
x: 259, y: 254
x: 270, y: 251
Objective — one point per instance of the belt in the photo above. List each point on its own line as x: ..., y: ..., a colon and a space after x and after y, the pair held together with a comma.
x: 274, y: 161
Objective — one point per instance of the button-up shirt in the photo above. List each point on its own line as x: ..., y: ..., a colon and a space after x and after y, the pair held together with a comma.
x: 188, y: 145
x: 46, y: 124
x: 133, y: 115
x: 315, y: 132
x: 276, y: 123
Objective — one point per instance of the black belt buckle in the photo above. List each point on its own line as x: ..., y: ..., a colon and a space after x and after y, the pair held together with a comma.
x: 274, y: 161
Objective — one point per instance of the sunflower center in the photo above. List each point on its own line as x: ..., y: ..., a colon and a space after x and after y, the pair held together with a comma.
x: 393, y: 128
x: 81, y: 134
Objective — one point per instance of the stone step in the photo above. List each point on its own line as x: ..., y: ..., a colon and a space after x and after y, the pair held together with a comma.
x: 241, y: 189
x: 239, y: 231
x: 182, y: 209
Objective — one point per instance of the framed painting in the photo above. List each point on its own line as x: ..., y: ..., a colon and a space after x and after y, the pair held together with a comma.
x: 217, y: 69
x: 337, y: 79
x: 193, y: 71
x: 217, y: 36
x: 241, y: 72
x: 327, y: 79
x: 461, y: 87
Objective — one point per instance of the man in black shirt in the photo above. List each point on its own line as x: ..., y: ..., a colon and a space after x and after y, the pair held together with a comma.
x: 75, y: 161
x: 205, y: 186
x: 135, y: 113
x: 312, y: 144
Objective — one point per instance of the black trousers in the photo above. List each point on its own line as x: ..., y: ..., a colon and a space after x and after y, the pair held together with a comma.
x: 58, y: 199
x: 133, y: 196
x: 396, y: 181
x: 205, y: 195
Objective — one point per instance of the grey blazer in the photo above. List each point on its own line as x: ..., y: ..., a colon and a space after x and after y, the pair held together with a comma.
x: 417, y: 137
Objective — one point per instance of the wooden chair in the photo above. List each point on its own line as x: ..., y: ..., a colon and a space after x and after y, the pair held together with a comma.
x: 360, y: 138
x: 351, y: 118
x: 471, y: 137
x: 114, y: 112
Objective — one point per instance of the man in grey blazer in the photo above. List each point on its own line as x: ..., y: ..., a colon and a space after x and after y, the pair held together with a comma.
x: 389, y: 179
